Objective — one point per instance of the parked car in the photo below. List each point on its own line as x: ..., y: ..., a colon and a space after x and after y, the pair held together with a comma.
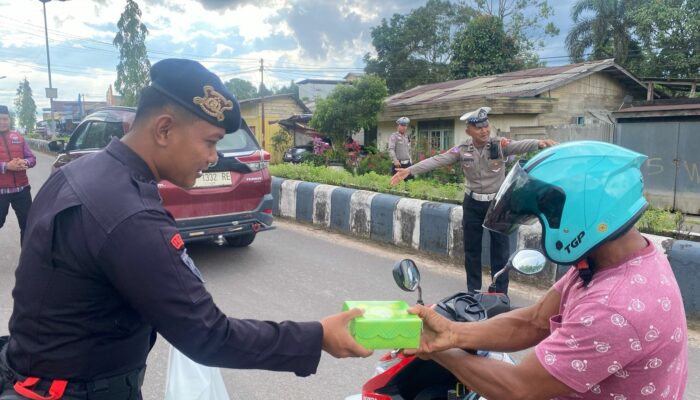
x: 231, y: 202
x: 296, y: 154
x: 42, y: 129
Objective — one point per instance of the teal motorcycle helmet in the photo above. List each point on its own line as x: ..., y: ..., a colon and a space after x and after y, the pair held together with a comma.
x: 584, y: 193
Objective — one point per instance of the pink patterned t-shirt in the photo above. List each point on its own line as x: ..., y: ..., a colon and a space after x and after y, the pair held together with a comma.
x: 622, y: 338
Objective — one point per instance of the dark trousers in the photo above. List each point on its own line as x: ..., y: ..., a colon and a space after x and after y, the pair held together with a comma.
x: 473, y: 218
x: 21, y: 202
x: 404, y: 164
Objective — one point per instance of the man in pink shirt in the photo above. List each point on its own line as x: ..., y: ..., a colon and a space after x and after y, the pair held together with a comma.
x: 613, y: 327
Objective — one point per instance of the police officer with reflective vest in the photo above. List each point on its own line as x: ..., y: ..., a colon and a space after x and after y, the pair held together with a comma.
x: 15, y: 158
x: 104, y: 268
x: 483, y: 161
x: 400, y: 146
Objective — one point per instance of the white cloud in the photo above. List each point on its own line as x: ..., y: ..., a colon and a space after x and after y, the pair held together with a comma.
x: 297, y: 39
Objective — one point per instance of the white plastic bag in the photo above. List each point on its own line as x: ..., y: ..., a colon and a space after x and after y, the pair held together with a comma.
x: 188, y: 380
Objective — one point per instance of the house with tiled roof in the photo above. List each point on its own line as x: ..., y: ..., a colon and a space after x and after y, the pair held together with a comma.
x: 569, y: 102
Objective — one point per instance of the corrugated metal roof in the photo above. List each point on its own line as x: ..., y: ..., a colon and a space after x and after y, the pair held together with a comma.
x: 664, y: 107
x: 525, y: 83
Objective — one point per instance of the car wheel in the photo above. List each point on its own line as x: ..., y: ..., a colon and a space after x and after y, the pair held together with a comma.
x: 241, y: 240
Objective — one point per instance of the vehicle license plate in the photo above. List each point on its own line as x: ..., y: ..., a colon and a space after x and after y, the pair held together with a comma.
x: 212, y: 179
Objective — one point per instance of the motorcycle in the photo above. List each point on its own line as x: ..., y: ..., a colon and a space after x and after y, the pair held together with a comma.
x: 405, y: 377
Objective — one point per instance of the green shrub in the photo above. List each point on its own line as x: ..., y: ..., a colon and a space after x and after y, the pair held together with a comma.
x: 419, y: 188
x: 378, y: 162
x: 656, y: 220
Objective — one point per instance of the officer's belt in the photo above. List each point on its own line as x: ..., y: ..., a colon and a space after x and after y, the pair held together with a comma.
x: 481, y: 196
x: 112, y: 388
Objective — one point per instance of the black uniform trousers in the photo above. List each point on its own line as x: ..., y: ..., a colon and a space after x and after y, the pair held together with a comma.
x: 404, y: 164
x: 474, y: 212
x: 21, y: 202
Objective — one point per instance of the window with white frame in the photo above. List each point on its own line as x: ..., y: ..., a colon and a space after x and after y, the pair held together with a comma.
x: 436, y: 134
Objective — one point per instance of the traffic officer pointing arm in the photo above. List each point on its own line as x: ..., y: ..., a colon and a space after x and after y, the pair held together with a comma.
x: 104, y: 268
x: 483, y: 162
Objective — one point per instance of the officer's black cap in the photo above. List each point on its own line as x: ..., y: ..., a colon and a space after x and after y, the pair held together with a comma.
x: 4, y: 110
x: 197, y: 89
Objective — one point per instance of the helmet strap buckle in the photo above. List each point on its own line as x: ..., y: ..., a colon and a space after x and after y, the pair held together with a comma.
x: 585, y: 271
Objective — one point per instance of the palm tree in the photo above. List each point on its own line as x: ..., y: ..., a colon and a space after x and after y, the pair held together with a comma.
x: 607, y: 33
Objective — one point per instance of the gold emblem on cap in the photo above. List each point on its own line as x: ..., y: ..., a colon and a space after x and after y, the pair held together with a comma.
x: 213, y: 103
x: 602, y: 228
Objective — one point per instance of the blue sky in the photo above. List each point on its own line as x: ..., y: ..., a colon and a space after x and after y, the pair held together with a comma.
x: 298, y: 39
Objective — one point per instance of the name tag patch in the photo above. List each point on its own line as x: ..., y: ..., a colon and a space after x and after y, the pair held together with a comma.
x: 189, y: 263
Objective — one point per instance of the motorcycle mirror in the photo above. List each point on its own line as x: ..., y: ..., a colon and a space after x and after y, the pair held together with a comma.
x: 57, y: 146
x: 407, y: 277
x: 528, y: 261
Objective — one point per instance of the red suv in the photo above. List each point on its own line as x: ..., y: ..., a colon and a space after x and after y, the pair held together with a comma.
x: 231, y: 202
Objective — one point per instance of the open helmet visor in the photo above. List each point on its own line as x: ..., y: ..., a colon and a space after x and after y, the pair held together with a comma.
x: 521, y: 199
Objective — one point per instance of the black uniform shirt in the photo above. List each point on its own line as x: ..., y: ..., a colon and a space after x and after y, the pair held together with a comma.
x: 103, y: 267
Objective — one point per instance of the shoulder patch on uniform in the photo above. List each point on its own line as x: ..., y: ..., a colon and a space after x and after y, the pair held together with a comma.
x: 455, y: 150
x: 505, y: 142
x: 177, y: 242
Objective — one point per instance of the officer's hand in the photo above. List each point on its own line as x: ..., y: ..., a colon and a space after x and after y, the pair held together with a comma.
x: 336, y: 337
x: 401, y: 174
x: 397, y: 164
x: 438, y: 333
x: 547, y: 143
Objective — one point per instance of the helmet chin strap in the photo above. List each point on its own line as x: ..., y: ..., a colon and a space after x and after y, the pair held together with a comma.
x: 585, y: 268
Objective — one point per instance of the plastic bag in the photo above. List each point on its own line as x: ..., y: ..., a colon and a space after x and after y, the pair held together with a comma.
x: 188, y: 380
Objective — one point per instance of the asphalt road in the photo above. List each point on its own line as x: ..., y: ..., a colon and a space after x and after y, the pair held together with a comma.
x: 295, y: 272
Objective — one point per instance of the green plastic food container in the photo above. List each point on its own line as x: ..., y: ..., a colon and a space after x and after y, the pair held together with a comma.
x: 385, y: 325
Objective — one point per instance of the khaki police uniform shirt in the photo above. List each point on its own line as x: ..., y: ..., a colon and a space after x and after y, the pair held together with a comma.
x: 483, y: 175
x: 399, y: 147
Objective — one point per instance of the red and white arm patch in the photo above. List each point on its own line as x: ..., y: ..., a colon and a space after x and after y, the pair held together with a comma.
x: 177, y: 242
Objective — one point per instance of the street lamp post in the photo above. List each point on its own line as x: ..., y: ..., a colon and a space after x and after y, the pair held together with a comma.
x: 50, y: 93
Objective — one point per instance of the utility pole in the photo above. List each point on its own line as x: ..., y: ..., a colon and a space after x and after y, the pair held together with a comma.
x: 50, y: 92
x: 262, y: 103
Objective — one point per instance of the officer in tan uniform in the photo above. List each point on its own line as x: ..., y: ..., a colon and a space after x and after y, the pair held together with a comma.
x: 483, y: 162
x: 400, y: 146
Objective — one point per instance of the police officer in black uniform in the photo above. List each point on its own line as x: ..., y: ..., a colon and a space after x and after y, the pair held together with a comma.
x: 104, y: 267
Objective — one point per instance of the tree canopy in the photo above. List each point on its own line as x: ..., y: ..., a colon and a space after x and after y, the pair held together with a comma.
x: 244, y: 89
x: 526, y: 22
x: 669, y: 34
x: 349, y: 108
x: 658, y: 39
x: 484, y: 48
x: 414, y: 49
x: 25, y: 107
x: 421, y: 46
x: 134, y: 66
x: 603, y: 28
x: 241, y: 88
